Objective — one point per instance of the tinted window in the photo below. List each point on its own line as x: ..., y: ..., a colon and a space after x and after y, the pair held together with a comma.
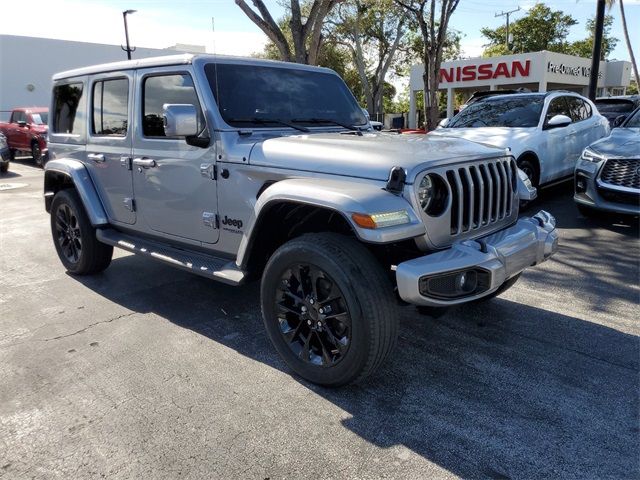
x: 66, y: 116
x: 41, y: 118
x: 19, y: 117
x: 500, y: 112
x: 158, y: 90
x: 246, y: 92
x: 634, y: 121
x: 558, y: 106
x: 110, y: 107
x: 578, y: 109
x: 620, y: 107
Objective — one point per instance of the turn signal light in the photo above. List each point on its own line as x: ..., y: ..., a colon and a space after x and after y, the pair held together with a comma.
x: 381, y: 220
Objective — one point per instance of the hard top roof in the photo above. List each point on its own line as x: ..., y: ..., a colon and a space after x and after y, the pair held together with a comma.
x: 184, y: 59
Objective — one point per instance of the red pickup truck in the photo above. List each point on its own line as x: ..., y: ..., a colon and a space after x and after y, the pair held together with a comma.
x: 27, y: 131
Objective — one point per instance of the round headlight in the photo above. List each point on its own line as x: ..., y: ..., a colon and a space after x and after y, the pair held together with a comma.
x: 433, y: 194
x: 425, y: 192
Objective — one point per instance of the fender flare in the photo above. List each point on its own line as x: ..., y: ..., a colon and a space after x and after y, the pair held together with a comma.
x: 75, y: 172
x: 341, y: 196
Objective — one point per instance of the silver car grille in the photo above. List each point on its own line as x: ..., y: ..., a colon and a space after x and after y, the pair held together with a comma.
x: 622, y: 172
x: 483, y: 198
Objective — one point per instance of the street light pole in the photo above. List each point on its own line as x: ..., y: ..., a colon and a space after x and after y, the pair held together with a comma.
x: 597, y: 48
x: 128, y: 49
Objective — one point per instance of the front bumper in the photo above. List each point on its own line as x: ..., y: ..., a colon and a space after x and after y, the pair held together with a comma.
x: 592, y: 193
x: 498, y: 256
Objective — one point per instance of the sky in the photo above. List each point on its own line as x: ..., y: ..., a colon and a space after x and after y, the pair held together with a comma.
x: 163, y: 23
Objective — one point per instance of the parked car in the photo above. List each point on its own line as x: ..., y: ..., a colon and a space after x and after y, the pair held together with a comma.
x: 607, y: 176
x: 546, y: 132
x: 616, y: 109
x: 5, y: 154
x: 482, y: 94
x: 236, y: 168
x: 26, y: 131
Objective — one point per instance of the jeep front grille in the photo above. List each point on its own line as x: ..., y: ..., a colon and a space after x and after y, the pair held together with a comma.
x: 621, y: 172
x: 481, y: 194
x: 481, y: 198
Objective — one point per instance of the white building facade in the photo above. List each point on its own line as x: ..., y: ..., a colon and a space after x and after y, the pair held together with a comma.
x: 537, y: 71
x: 28, y: 63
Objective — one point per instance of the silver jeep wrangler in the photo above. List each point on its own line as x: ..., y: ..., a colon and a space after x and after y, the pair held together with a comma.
x: 237, y: 168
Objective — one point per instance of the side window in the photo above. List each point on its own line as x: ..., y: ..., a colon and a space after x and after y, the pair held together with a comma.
x: 67, y: 118
x: 19, y: 117
x: 558, y: 106
x: 160, y: 89
x: 110, y: 107
x: 578, y: 109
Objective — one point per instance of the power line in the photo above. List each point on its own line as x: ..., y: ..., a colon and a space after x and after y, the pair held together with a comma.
x: 502, y: 14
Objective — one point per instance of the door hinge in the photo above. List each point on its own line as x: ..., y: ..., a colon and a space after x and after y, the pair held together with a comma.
x: 126, y: 162
x: 130, y: 204
x: 210, y: 220
x: 209, y: 170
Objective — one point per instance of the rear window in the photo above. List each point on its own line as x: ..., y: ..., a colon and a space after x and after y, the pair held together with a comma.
x: 67, y: 117
x: 618, y: 106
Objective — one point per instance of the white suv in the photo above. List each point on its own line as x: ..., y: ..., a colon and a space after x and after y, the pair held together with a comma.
x: 546, y: 132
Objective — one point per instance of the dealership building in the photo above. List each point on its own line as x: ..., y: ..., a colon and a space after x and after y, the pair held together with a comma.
x: 28, y: 63
x: 537, y: 71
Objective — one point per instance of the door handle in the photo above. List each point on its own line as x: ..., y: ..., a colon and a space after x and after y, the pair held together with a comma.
x: 144, y: 162
x: 96, y: 157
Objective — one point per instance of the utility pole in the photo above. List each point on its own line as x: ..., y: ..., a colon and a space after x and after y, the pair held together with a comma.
x: 503, y: 14
x: 128, y: 49
x: 597, y: 48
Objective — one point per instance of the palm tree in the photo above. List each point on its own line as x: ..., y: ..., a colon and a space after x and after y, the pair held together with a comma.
x: 610, y: 4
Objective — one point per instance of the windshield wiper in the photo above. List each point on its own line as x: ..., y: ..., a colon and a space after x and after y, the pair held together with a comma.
x: 264, y: 121
x: 327, y: 120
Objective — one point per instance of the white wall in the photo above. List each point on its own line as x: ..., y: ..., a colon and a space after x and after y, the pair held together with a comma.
x: 33, y: 61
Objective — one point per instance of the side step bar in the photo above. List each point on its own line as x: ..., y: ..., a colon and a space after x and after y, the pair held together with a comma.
x: 220, y: 269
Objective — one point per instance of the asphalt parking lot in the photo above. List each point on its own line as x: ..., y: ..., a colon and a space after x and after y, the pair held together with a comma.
x: 149, y: 372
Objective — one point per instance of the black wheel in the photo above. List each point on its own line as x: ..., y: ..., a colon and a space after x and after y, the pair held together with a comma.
x: 12, y: 154
x: 328, y: 308
x: 4, y: 167
x: 530, y: 168
x: 75, y: 238
x: 36, y: 153
x: 503, y: 288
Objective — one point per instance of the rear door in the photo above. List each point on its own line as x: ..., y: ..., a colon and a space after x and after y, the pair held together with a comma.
x: 587, y: 129
x: 173, y: 182
x: 109, y: 142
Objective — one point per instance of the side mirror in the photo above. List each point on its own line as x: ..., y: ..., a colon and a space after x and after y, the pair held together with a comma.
x: 443, y: 123
x: 180, y: 120
x: 558, y: 121
x: 618, y: 121
x: 22, y: 123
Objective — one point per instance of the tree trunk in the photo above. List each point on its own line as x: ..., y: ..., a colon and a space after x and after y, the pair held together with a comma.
x: 626, y: 37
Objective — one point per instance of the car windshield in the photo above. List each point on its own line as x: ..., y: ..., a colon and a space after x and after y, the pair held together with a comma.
x: 40, y: 118
x: 264, y: 96
x: 634, y: 120
x: 520, y: 111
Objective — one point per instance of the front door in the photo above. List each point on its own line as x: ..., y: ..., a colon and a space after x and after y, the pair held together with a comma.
x: 175, y: 192
x: 108, y: 152
x: 559, y: 142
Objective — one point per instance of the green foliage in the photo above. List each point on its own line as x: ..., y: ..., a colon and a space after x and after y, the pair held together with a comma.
x: 584, y: 48
x: 541, y: 29
x: 632, y: 89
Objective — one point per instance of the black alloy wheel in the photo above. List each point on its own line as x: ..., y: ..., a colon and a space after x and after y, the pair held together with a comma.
x: 313, y: 315
x: 36, y: 153
x: 68, y: 236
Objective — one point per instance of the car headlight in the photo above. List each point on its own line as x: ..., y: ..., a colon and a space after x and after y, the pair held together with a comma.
x: 591, y: 156
x: 3, y: 142
x: 433, y: 194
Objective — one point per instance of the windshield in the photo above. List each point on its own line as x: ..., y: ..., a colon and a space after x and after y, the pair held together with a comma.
x: 40, y: 118
x: 500, y: 112
x: 249, y: 95
x: 633, y: 121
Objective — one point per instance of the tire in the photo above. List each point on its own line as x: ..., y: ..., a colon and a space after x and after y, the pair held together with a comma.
x: 338, y: 348
x: 75, y: 238
x: 529, y: 167
x: 503, y: 288
x: 12, y: 154
x: 4, y: 167
x: 36, y: 153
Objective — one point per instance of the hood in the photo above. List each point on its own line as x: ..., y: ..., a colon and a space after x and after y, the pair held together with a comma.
x: 371, y: 155
x: 41, y: 129
x: 504, y: 137
x: 623, y: 142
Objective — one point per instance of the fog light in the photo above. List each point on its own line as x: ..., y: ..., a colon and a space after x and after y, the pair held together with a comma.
x: 581, y: 183
x: 466, y: 282
x: 452, y: 285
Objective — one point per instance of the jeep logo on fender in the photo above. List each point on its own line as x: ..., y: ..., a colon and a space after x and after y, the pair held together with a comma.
x: 232, y: 222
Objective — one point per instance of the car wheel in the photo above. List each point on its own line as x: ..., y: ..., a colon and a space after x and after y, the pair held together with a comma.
x: 328, y: 308
x: 529, y: 167
x: 503, y: 288
x: 36, y: 153
x: 12, y: 154
x: 75, y: 238
x: 4, y: 167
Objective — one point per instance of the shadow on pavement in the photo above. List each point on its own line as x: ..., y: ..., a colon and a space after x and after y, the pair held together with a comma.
x: 494, y: 390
